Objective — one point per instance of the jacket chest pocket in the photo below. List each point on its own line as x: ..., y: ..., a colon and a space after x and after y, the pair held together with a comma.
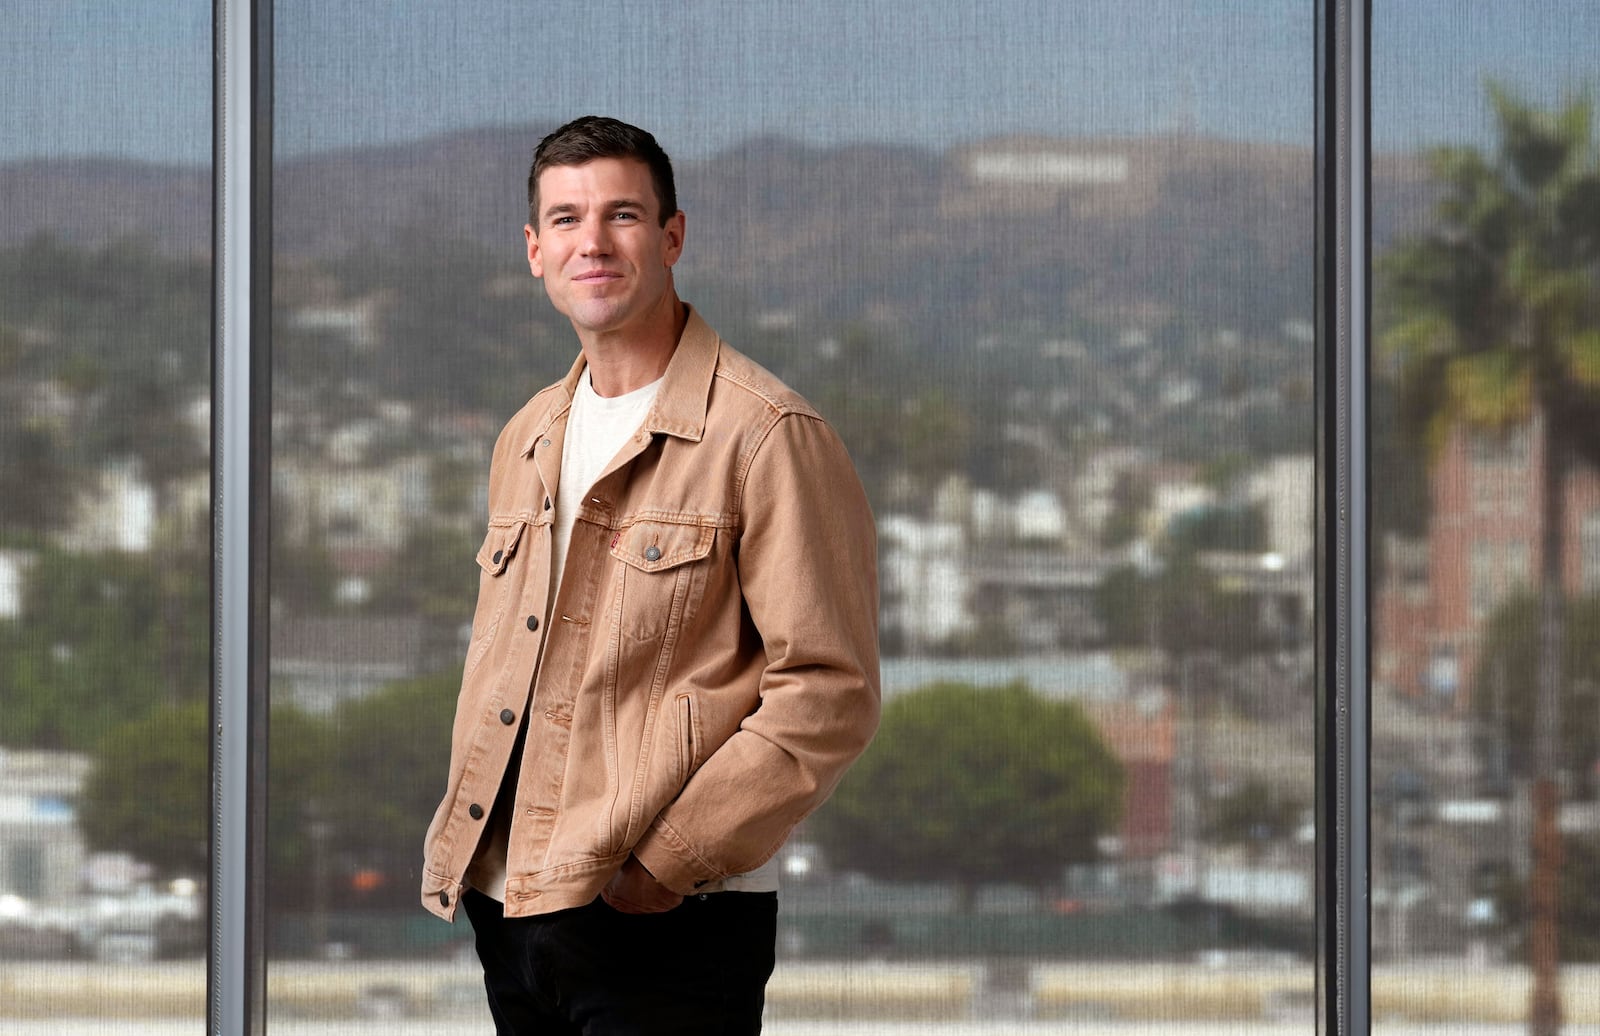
x: 495, y: 584
x: 662, y: 572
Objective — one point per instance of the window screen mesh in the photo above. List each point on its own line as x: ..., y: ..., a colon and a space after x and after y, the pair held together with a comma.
x: 1484, y: 176
x: 105, y: 333
x: 1048, y: 270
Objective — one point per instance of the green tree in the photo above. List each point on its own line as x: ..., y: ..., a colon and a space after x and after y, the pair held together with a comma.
x: 969, y: 784
x: 1510, y: 654
x: 149, y: 793
x: 1237, y: 528
x: 1580, y: 907
x: 37, y: 482
x: 120, y: 336
x: 1495, y: 323
x: 1179, y: 609
x: 300, y: 777
x: 1253, y: 814
x: 1130, y: 499
x: 386, y: 766
x: 126, y: 331
x: 432, y: 575
x: 1580, y: 936
x: 91, y: 647
x: 1120, y: 601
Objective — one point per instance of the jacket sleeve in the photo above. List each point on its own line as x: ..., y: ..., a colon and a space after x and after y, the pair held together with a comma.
x: 807, y: 565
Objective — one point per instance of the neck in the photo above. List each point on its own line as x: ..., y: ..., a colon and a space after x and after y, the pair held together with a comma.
x: 622, y: 361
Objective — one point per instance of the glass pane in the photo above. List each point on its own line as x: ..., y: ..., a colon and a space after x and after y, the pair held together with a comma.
x: 1047, y: 269
x: 1486, y: 411
x: 105, y: 329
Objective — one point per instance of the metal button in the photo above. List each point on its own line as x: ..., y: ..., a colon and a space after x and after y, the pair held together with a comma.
x: 507, y: 717
x: 497, y: 556
x: 475, y: 811
x: 533, y: 622
x: 652, y: 553
x: 444, y: 899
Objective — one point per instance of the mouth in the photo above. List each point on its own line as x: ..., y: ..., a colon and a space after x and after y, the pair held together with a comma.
x: 597, y: 277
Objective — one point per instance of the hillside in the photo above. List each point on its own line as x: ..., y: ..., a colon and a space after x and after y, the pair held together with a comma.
x: 1209, y: 233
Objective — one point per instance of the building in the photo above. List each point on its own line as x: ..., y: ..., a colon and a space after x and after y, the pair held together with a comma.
x: 924, y: 582
x: 42, y: 855
x: 13, y: 583
x: 117, y: 512
x: 1482, y: 548
x: 320, y: 662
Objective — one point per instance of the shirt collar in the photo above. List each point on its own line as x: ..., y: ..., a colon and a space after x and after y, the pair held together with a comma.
x: 680, y: 404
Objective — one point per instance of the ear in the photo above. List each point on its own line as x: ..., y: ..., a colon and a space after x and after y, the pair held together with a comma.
x: 535, y: 259
x: 672, y: 239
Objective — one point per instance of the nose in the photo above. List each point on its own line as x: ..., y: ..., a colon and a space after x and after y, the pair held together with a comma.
x: 596, y: 238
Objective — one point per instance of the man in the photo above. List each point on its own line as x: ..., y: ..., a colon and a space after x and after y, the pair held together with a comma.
x: 674, y: 652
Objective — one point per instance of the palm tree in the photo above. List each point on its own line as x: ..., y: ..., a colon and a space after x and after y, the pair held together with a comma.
x: 1497, y: 325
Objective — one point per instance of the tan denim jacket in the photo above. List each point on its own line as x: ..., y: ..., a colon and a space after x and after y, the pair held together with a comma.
x: 712, y: 665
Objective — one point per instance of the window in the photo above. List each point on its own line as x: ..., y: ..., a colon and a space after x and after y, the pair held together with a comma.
x: 105, y: 282
x: 1058, y: 304
x: 1453, y: 85
x: 1051, y: 272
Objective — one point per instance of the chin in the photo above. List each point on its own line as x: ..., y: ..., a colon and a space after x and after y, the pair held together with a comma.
x: 598, y: 318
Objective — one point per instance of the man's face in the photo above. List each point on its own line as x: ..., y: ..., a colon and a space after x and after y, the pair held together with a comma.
x: 605, y: 259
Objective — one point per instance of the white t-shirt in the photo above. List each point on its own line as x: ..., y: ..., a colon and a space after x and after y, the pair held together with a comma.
x: 597, y: 429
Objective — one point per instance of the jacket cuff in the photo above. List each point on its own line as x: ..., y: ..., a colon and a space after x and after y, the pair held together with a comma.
x: 671, y: 862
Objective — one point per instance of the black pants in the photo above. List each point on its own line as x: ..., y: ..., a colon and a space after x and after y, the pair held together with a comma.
x: 700, y: 969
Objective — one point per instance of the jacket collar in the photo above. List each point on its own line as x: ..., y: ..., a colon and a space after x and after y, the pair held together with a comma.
x: 680, y: 405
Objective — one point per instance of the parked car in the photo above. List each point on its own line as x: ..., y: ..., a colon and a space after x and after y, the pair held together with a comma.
x: 27, y: 931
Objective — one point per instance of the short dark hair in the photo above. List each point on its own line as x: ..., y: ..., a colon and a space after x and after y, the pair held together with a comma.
x: 589, y: 137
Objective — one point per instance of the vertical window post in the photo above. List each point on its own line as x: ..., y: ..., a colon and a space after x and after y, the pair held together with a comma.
x: 1344, y: 726
x: 240, y: 488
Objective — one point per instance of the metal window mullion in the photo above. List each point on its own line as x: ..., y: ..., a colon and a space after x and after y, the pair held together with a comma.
x: 240, y: 492
x: 1344, y: 718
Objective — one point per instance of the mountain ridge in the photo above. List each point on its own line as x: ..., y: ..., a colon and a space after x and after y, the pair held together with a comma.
x: 1210, y: 230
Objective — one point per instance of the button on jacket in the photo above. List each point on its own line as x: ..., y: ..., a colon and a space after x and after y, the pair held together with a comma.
x: 712, y: 658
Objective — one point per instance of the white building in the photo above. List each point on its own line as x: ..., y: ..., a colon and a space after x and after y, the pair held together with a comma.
x: 1285, y: 488
x: 116, y: 512
x: 41, y: 852
x: 353, y: 507
x: 13, y: 581
x: 925, y: 586
x: 1038, y: 515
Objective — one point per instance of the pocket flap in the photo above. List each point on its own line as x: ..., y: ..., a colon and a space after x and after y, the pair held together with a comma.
x: 653, y: 546
x: 500, y: 545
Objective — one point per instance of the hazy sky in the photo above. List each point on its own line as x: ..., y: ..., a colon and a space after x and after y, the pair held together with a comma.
x: 132, y: 77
